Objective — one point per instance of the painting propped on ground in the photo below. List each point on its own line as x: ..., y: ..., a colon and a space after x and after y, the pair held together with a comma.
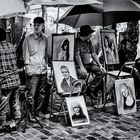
x: 77, y: 110
x: 125, y: 95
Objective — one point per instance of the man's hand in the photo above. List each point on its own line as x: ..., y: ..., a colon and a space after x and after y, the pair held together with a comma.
x: 102, y: 68
x: 83, y: 71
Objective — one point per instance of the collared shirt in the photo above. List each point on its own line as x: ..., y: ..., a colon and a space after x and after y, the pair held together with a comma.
x: 35, y: 54
x: 85, y: 49
x: 9, y: 77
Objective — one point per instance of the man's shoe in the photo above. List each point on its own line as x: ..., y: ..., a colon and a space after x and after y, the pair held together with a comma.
x: 13, y: 130
x: 4, y: 129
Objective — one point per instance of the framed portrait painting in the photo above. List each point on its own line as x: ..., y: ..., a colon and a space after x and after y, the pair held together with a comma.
x: 63, y: 47
x: 125, y: 96
x: 77, y: 110
x: 109, y: 46
x: 65, y: 75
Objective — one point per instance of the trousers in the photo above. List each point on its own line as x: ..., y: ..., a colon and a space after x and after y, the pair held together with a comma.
x: 36, y: 85
x: 98, y: 74
x: 9, y: 100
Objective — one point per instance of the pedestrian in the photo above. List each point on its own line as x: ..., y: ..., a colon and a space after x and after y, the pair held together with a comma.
x: 9, y: 85
x: 86, y: 58
x: 35, y: 60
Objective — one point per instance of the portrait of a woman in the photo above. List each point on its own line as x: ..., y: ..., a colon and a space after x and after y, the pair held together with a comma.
x: 64, y: 50
x: 109, y: 53
x: 127, y: 100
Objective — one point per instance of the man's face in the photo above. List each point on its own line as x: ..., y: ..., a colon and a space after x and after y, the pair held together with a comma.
x: 128, y: 45
x: 38, y: 27
x: 65, y: 73
x: 86, y: 38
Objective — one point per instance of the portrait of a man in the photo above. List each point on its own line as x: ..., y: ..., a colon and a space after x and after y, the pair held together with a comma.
x: 65, y: 75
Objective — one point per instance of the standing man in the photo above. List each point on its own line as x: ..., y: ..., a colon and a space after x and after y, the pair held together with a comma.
x: 9, y: 84
x: 86, y: 58
x: 35, y: 59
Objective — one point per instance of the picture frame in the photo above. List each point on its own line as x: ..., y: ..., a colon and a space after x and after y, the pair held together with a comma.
x: 109, y: 47
x: 60, y: 73
x: 77, y: 117
x: 63, y: 47
x: 125, y: 96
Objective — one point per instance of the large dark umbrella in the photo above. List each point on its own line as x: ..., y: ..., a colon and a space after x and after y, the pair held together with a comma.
x: 111, y: 11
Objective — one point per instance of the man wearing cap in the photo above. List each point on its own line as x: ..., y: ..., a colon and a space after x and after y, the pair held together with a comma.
x: 86, y: 58
x: 35, y: 59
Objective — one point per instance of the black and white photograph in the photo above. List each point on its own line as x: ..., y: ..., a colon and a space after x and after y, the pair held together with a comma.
x: 69, y: 69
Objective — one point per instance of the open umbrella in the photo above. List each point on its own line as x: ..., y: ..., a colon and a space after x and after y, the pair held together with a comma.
x: 11, y: 7
x: 111, y: 11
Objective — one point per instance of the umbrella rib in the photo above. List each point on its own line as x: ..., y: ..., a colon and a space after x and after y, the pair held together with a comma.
x: 77, y: 20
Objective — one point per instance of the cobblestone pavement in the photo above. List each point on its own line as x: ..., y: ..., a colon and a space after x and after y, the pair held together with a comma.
x: 103, y: 126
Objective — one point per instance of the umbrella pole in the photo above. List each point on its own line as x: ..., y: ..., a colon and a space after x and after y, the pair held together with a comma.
x: 58, y: 10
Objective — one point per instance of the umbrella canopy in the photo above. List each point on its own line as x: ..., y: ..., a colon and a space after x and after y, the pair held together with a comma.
x: 111, y: 11
x: 11, y: 7
x: 62, y: 2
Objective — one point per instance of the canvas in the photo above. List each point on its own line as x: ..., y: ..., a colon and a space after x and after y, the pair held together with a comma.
x: 77, y: 110
x: 109, y: 47
x: 63, y: 47
x: 64, y: 70
x: 125, y: 96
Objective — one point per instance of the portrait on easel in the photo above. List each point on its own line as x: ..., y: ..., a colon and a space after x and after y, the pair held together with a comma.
x: 109, y: 46
x: 125, y: 96
x: 63, y: 47
x: 65, y: 75
x: 77, y: 110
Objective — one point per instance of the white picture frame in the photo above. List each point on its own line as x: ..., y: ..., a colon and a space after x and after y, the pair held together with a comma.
x: 110, y: 51
x: 59, y: 78
x: 60, y: 51
x: 126, y: 101
x: 82, y: 118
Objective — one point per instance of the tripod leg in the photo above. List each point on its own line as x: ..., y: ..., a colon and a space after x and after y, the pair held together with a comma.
x: 36, y: 119
x: 21, y: 118
x: 26, y: 119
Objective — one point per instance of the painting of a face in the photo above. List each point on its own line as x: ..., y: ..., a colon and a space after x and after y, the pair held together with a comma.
x: 76, y: 110
x: 125, y: 96
x: 65, y: 73
x: 106, y: 42
x: 124, y: 91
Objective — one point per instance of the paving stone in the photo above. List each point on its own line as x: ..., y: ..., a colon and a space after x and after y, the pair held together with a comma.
x: 103, y: 126
x: 8, y: 138
x: 90, y: 138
